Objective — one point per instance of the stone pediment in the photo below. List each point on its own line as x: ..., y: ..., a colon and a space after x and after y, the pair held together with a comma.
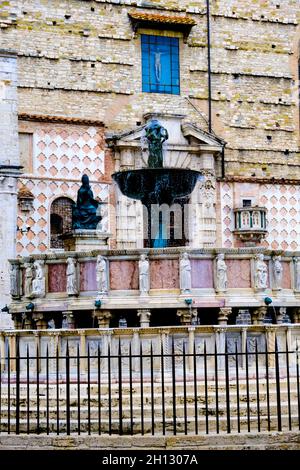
x: 186, y: 143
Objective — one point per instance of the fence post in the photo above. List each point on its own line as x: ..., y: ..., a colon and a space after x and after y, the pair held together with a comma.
x: 135, y: 349
x: 244, y: 346
x: 191, y: 342
x: 83, y: 358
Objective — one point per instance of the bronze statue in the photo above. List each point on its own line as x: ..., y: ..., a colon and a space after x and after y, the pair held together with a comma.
x: 84, y: 212
x: 156, y: 134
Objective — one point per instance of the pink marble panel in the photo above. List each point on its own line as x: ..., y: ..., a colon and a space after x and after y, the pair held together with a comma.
x: 286, y: 275
x: 57, y: 279
x: 164, y: 274
x: 88, y: 276
x: 202, y: 273
x: 124, y: 275
x: 238, y: 273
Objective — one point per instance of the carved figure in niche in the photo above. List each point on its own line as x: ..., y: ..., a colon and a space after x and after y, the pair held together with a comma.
x: 102, y: 274
x: 221, y: 273
x: 156, y: 134
x: 28, y: 279
x: 72, y: 287
x: 185, y: 274
x: 14, y: 280
x: 208, y: 198
x: 39, y: 282
x: 277, y: 272
x: 84, y: 214
x: 144, y: 281
x: 261, y: 272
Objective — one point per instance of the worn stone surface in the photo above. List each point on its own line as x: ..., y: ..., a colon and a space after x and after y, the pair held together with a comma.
x: 253, y: 441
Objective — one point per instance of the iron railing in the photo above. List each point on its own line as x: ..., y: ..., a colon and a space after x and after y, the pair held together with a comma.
x: 150, y: 391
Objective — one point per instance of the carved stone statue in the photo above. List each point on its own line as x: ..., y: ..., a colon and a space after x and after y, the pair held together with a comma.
x: 156, y: 134
x: 84, y: 212
x: 28, y: 279
x: 72, y: 286
x: 39, y: 281
x: 144, y: 278
x: 297, y: 274
x: 261, y: 272
x: 185, y: 274
x: 102, y: 275
x: 221, y: 273
x: 14, y: 280
x: 277, y: 272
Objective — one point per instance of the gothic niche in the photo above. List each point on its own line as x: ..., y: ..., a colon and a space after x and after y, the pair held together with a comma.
x: 60, y: 220
x: 25, y: 199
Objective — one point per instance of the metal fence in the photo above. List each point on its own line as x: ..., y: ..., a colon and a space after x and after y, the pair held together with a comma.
x: 150, y: 392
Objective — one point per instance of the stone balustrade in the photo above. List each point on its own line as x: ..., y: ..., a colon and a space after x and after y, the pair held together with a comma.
x: 250, y: 224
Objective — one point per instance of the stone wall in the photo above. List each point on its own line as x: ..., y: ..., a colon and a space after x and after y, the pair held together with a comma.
x: 82, y: 59
x: 60, y: 155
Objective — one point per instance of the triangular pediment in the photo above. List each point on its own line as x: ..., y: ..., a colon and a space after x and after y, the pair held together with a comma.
x: 198, y: 136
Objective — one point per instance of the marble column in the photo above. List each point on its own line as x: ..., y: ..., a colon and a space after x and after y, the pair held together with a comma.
x: 69, y: 318
x: 223, y: 315
x: 144, y: 315
x: 186, y: 315
x: 40, y: 321
x: 296, y: 315
x: 258, y: 315
x: 103, y: 318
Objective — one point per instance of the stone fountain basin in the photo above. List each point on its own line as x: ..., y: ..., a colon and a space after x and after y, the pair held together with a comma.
x: 157, y: 185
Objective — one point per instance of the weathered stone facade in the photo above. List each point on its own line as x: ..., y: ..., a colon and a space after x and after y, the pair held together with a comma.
x: 79, y: 81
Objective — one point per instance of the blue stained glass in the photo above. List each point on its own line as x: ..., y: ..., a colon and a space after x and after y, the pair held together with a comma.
x: 160, y: 64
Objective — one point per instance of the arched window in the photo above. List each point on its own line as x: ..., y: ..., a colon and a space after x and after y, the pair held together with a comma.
x: 60, y: 220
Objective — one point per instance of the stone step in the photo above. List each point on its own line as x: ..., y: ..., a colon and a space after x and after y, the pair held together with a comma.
x: 158, y: 426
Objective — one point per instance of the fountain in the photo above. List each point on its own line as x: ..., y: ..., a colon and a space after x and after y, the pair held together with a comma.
x: 156, y: 185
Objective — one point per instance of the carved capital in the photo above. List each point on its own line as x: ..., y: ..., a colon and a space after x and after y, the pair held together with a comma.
x: 144, y: 314
x: 223, y: 315
x: 258, y: 315
x: 187, y: 315
x: 103, y: 317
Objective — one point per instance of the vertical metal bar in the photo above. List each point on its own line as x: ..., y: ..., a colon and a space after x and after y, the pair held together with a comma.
x: 2, y: 360
x: 89, y: 388
x: 195, y: 388
x: 278, y: 392
x: 217, y: 389
x: 237, y: 379
x: 268, y: 385
x: 57, y: 390
x: 142, y: 388
x: 288, y: 385
x: 208, y: 66
x: 99, y: 389
x: 205, y: 388
x: 247, y: 388
x: 173, y: 388
x: 184, y: 389
x: 8, y: 389
x: 130, y: 390
x: 18, y: 387
x: 78, y: 389
x: 28, y: 390
x: 152, y: 390
x: 37, y: 389
x: 67, y: 389
x: 298, y: 382
x: 120, y: 389
x: 257, y: 387
x: 109, y: 388
x: 47, y: 389
x: 162, y: 365
x: 227, y: 390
